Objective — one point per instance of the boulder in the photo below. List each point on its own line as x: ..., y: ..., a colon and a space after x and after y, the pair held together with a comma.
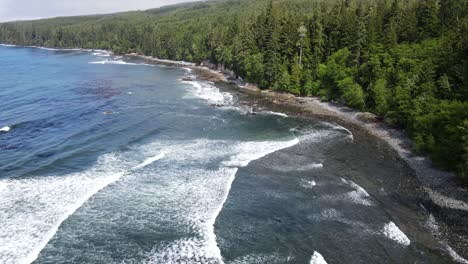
x: 367, y: 117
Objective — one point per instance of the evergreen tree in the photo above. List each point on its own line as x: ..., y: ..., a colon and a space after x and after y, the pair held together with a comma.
x: 427, y: 17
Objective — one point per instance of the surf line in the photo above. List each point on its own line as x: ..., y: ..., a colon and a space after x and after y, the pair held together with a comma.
x: 235, y: 164
x: 34, y: 254
x: 148, y: 161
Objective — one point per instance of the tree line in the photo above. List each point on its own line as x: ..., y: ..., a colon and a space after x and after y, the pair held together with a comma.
x: 404, y: 60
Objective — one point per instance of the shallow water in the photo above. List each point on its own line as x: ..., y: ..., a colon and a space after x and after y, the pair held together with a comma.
x: 114, y: 160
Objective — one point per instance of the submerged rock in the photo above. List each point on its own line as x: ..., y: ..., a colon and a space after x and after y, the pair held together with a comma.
x: 188, y: 79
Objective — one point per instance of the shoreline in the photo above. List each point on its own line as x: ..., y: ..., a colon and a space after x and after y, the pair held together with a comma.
x: 397, y: 139
x: 442, y: 195
x: 447, y: 197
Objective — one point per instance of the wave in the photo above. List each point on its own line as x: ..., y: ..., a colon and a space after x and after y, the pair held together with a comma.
x: 249, y: 151
x: 308, y: 184
x: 120, y: 62
x: 261, y: 258
x: 445, y: 201
x: 66, y: 49
x: 338, y: 127
x: 148, y: 161
x: 3, y: 186
x: 102, y: 53
x: 454, y: 255
x: 394, y: 233
x: 183, y: 63
x: 357, y: 196
x: 186, y: 170
x: 432, y: 224
x: 308, y: 167
x: 275, y: 113
x: 58, y: 49
x: 317, y: 258
x: 5, y: 129
x: 192, y: 192
x: 210, y: 93
x: 49, y: 201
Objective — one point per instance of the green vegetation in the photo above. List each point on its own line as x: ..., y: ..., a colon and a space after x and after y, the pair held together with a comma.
x: 406, y: 61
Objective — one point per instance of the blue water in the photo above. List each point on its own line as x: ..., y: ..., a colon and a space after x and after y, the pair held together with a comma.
x: 105, y: 159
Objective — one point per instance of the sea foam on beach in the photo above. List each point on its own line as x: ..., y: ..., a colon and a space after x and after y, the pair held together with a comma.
x: 394, y: 233
x: 317, y: 258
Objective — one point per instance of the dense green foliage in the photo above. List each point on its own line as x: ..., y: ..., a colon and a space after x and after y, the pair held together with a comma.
x: 406, y: 61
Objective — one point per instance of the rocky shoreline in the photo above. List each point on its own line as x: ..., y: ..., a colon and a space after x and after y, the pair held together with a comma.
x: 439, y: 194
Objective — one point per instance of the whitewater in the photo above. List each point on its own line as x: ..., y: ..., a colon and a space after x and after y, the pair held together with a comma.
x: 114, y: 159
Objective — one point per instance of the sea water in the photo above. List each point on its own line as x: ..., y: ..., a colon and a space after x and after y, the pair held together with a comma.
x: 108, y: 159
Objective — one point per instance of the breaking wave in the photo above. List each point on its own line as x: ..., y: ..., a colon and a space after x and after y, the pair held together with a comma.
x: 49, y: 201
x: 120, y: 62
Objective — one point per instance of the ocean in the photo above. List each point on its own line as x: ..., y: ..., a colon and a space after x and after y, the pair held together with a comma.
x: 111, y: 159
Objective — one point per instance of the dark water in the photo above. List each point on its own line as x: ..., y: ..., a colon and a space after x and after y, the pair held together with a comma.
x: 110, y: 160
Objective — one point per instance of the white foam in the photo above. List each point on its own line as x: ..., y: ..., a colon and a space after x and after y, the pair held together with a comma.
x: 249, y: 151
x: 5, y: 129
x: 213, y: 245
x: 190, y: 193
x: 317, y: 258
x: 58, y: 49
x: 119, y: 62
x: 148, y: 161
x: 3, y: 186
x: 454, y: 255
x: 446, y: 201
x: 7, y: 45
x: 261, y: 259
x: 182, y: 63
x: 308, y: 167
x: 209, y: 93
x: 208, y: 191
x: 308, y: 184
x: 275, y: 113
x: 32, y: 210
x: 394, y: 233
x: 338, y: 127
x: 196, y: 212
x: 102, y: 53
x: 189, y: 70
x: 431, y: 223
x: 358, y: 196
x: 330, y: 213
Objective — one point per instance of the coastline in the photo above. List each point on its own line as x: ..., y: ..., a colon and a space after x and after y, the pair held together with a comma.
x: 432, y: 178
x: 439, y: 193
x: 448, y: 200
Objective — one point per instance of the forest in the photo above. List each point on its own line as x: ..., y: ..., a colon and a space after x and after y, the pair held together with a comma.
x: 403, y: 60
